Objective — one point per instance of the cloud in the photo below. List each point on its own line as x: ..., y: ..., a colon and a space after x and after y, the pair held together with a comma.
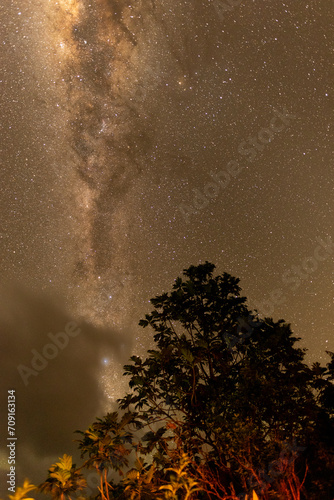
x: 66, y: 394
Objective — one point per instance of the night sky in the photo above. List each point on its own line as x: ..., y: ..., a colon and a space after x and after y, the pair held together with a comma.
x: 138, y: 139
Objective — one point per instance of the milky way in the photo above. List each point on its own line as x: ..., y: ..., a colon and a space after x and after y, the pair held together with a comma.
x: 138, y: 139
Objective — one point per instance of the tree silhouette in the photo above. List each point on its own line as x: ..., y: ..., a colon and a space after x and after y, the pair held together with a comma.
x: 235, y: 387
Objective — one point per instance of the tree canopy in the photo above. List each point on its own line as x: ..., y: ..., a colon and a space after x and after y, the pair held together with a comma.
x: 235, y: 386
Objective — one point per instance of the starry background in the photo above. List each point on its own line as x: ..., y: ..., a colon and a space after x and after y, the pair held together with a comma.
x: 116, y: 120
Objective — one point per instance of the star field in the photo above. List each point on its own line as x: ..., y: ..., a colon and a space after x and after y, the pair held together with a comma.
x: 141, y: 138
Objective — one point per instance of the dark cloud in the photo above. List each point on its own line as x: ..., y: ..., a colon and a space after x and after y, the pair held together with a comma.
x: 65, y: 395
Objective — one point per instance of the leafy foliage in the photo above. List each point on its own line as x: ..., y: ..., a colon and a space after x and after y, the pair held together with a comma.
x: 21, y: 492
x: 139, y: 482
x: 180, y: 481
x: 105, y: 443
x: 63, y: 479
